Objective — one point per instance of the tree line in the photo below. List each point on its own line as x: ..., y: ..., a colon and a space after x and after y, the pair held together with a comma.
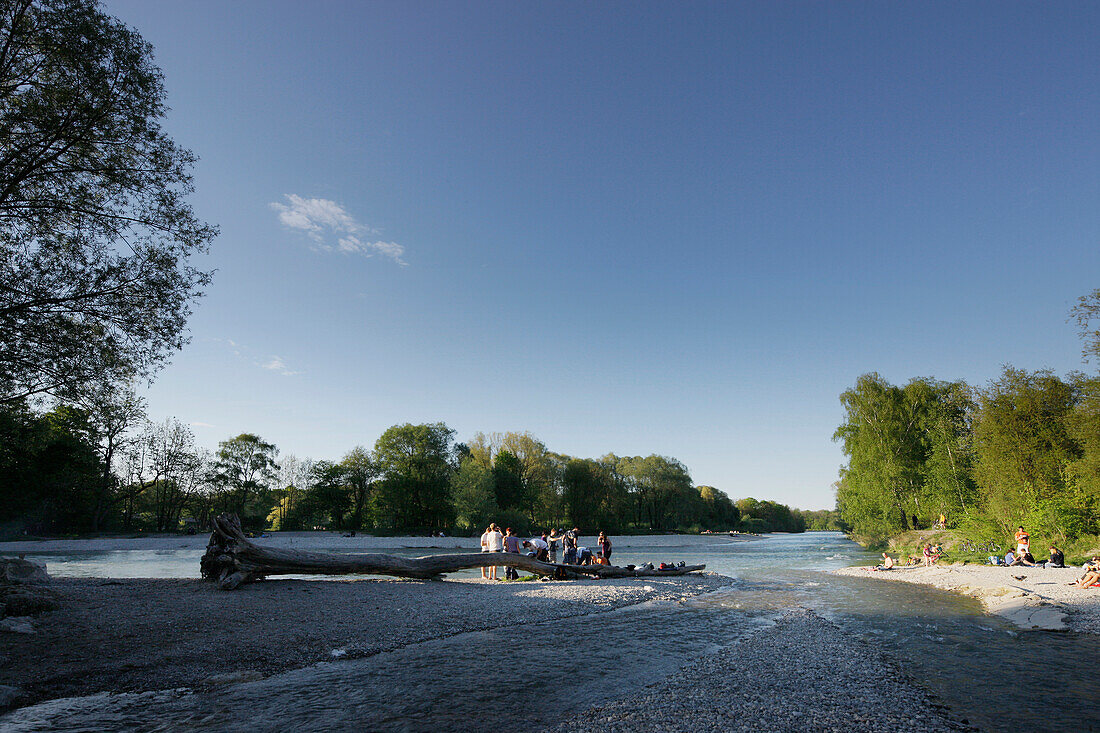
x: 71, y: 469
x: 1022, y: 450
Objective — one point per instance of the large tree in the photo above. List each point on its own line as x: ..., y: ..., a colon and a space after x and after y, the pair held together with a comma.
x: 244, y: 468
x: 416, y: 463
x: 1022, y: 448
x: 96, y: 237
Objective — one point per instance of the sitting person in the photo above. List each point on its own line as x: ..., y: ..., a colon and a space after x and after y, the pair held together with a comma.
x: 1023, y: 558
x: 1057, y: 559
x: 1009, y: 557
x: 887, y: 563
x: 1092, y: 574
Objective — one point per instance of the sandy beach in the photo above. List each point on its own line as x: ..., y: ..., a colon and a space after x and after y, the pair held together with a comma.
x: 1031, y: 598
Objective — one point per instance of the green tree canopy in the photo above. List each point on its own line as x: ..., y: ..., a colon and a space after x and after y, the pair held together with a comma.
x: 95, y: 235
x: 244, y: 467
x: 415, y: 462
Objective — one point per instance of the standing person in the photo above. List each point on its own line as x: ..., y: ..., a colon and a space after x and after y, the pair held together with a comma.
x: 496, y: 544
x: 511, y: 544
x: 605, y: 548
x: 554, y: 540
x: 1023, y: 541
x: 485, y: 548
x: 569, y: 542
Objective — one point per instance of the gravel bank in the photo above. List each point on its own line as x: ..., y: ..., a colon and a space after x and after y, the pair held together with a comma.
x: 136, y: 635
x: 1031, y: 598
x: 804, y: 673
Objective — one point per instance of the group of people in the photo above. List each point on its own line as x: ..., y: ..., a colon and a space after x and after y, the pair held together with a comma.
x: 1022, y: 554
x: 543, y: 548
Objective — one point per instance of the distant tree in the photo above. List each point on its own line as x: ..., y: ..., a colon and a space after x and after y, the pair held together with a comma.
x: 115, y: 414
x: 473, y: 495
x: 508, y: 481
x: 244, y: 467
x: 415, y: 463
x: 719, y: 510
x: 329, y: 499
x: 1083, y: 472
x: 95, y: 235
x: 359, y: 471
x: 595, y: 495
x: 292, y: 481
x: 656, y: 484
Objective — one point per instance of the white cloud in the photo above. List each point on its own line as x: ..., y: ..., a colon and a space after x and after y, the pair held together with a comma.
x: 276, y: 364
x: 241, y: 351
x: 322, y: 220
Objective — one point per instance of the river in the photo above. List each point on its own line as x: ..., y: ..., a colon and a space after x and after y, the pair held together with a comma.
x: 998, y: 678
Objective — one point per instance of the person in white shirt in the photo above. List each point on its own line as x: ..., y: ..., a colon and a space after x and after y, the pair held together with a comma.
x: 485, y: 548
x: 538, y: 548
x: 495, y: 542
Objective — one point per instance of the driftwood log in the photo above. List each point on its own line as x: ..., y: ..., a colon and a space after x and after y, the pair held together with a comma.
x: 232, y: 560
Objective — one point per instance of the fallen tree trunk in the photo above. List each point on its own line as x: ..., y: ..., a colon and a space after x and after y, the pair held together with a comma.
x: 232, y: 560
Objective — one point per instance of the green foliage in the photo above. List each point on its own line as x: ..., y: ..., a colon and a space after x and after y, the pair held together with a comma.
x: 822, y: 520
x: 243, y: 471
x: 1022, y: 447
x: 595, y: 495
x: 49, y: 468
x: 415, y: 462
x: 473, y: 496
x: 769, y: 516
x: 908, y: 454
x: 508, y: 481
x: 661, y: 488
x: 95, y: 234
x: 1025, y: 450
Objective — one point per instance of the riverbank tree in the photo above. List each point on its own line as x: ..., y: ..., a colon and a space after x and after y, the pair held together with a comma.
x: 1022, y: 450
x: 97, y: 240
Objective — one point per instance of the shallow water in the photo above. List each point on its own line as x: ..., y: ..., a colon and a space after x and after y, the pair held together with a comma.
x: 539, y: 674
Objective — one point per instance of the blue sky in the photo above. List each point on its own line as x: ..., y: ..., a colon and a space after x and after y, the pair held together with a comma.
x: 675, y: 228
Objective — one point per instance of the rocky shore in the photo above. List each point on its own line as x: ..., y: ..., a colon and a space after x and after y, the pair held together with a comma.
x: 137, y: 635
x: 802, y: 674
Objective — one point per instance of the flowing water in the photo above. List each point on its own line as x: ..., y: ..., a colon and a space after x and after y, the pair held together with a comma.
x: 984, y: 670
